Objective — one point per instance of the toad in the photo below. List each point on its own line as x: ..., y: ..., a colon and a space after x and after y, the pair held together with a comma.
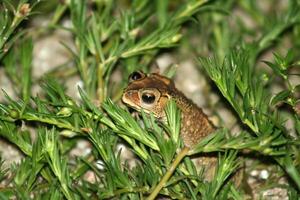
x: 151, y: 92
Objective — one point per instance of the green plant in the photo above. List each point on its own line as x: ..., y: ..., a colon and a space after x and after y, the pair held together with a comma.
x: 112, y: 36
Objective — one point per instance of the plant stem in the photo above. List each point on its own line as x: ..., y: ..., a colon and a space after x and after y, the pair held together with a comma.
x: 101, y: 85
x: 171, y: 170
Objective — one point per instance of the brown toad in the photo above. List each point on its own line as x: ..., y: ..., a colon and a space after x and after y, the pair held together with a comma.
x: 151, y: 92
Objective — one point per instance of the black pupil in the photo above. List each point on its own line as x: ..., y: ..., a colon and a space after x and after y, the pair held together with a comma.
x: 148, y: 98
x: 135, y: 76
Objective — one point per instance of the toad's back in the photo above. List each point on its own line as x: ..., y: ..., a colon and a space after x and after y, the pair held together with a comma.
x: 194, y: 123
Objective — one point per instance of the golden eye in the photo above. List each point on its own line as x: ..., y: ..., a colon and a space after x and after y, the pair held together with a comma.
x: 136, y: 76
x: 148, y: 98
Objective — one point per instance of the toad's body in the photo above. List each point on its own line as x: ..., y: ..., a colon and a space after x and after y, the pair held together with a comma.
x: 151, y: 92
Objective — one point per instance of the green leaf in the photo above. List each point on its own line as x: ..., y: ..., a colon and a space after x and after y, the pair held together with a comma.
x: 26, y: 62
x: 280, y: 97
x: 174, y: 120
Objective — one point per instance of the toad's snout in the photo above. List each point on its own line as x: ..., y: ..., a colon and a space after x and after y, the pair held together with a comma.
x: 130, y: 97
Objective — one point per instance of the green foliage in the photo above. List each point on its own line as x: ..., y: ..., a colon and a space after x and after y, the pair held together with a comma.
x: 226, y: 166
x: 252, y: 101
x: 111, y: 37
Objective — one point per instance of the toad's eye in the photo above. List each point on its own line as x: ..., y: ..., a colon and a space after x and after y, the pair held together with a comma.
x: 136, y: 76
x: 148, y: 98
